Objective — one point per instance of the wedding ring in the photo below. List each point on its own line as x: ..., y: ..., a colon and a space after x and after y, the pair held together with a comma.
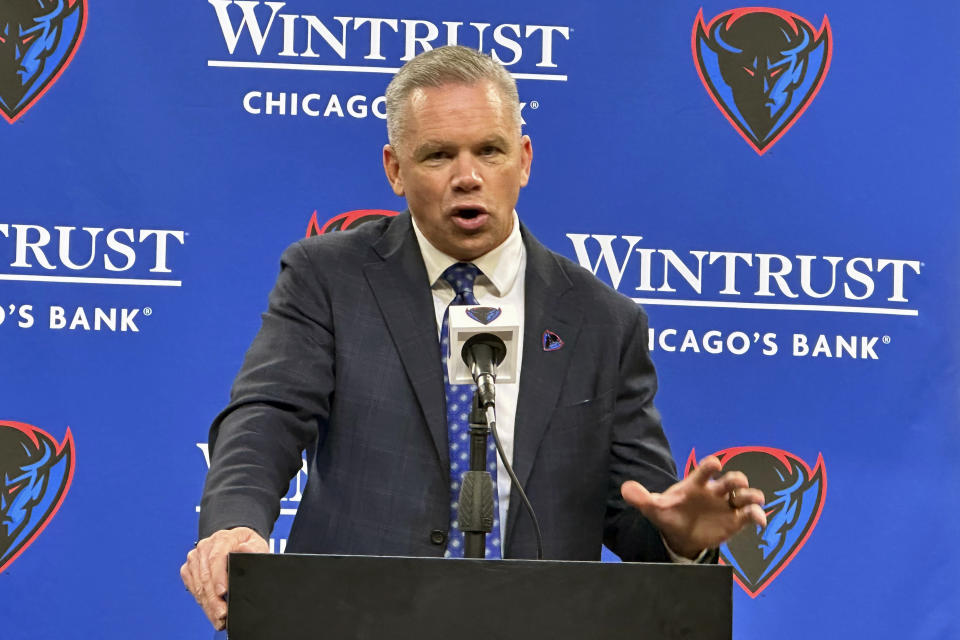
x: 731, y: 499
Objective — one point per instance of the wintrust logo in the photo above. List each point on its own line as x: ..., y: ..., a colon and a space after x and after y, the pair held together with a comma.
x: 88, y: 255
x: 289, y: 36
x: 274, y: 30
x: 91, y: 258
x: 760, y: 280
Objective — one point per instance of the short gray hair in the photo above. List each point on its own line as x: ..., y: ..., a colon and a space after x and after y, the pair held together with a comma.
x: 443, y: 66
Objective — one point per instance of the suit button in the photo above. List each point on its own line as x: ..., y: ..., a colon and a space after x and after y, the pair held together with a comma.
x: 438, y: 537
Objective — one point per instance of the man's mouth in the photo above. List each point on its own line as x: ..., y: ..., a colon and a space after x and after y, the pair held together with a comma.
x: 469, y: 218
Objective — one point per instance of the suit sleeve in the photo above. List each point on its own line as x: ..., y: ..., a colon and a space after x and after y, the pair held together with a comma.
x: 639, y: 451
x: 279, y: 403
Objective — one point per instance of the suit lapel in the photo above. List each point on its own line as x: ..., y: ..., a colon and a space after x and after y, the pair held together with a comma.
x: 400, y: 286
x: 548, y: 305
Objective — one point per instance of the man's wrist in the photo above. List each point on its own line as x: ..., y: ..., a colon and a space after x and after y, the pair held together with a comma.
x: 678, y: 558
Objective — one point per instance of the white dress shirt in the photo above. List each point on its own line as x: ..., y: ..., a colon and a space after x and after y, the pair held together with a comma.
x: 499, y: 284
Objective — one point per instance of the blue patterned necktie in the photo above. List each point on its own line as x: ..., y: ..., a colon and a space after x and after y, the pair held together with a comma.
x: 459, y: 400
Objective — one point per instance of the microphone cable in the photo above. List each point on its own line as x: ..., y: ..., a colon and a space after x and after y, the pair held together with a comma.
x: 492, y: 421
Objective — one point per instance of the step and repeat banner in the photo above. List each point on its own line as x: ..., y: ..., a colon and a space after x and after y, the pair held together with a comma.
x: 778, y: 187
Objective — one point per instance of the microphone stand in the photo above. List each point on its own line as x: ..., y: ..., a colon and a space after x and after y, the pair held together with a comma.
x: 483, y: 352
x: 475, y: 513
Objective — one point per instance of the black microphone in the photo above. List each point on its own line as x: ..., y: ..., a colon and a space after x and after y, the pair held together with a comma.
x: 482, y: 353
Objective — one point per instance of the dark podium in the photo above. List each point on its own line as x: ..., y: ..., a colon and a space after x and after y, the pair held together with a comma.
x: 333, y: 597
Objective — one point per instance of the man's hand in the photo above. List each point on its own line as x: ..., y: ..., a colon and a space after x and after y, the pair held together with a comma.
x: 205, y: 571
x: 700, y: 511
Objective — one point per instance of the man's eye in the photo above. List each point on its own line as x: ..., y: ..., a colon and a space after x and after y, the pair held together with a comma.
x: 490, y: 151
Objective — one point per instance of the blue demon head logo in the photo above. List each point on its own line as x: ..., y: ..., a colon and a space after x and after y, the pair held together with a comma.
x: 762, y: 67
x: 37, y: 39
x: 794, y: 496
x: 35, y: 474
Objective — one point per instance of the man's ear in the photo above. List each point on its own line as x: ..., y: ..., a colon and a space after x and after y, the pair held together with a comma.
x: 391, y: 167
x: 526, y: 159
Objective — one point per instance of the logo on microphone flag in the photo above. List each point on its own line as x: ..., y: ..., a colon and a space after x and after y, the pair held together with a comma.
x: 484, y: 315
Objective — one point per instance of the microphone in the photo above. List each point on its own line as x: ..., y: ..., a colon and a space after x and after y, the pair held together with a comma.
x: 469, y: 321
x: 488, y: 339
x: 483, y: 353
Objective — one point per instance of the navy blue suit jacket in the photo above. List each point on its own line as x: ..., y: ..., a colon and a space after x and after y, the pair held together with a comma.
x: 347, y: 366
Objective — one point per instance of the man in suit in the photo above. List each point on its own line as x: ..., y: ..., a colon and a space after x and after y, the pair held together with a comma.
x: 347, y: 366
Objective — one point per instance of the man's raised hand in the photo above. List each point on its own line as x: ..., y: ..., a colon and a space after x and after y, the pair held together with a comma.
x: 700, y: 511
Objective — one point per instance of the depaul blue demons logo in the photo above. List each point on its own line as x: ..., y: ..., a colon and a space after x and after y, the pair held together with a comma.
x: 794, y: 494
x: 38, y: 39
x: 484, y: 315
x: 35, y: 475
x: 762, y: 67
x: 345, y: 221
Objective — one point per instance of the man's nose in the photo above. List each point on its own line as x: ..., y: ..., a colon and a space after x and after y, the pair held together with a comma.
x: 466, y: 175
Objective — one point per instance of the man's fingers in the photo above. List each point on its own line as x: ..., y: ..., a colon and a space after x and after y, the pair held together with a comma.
x: 216, y: 610
x: 706, y: 469
x: 218, y: 565
x: 193, y: 568
x: 187, y: 576
x: 213, y: 607
x: 744, y: 497
x: 752, y: 513
x: 730, y: 481
x: 203, y: 550
x: 206, y: 593
x: 216, y: 617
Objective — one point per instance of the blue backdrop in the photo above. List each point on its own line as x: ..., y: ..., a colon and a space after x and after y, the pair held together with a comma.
x: 158, y: 157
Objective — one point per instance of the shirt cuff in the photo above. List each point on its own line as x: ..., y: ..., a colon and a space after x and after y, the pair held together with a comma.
x: 678, y: 559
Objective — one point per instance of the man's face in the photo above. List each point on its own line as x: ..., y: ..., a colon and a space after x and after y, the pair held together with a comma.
x: 460, y: 162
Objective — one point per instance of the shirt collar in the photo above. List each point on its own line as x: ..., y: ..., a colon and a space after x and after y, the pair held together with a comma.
x: 500, y: 265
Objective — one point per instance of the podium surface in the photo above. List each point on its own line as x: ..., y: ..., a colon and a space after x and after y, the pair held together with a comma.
x: 313, y: 596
